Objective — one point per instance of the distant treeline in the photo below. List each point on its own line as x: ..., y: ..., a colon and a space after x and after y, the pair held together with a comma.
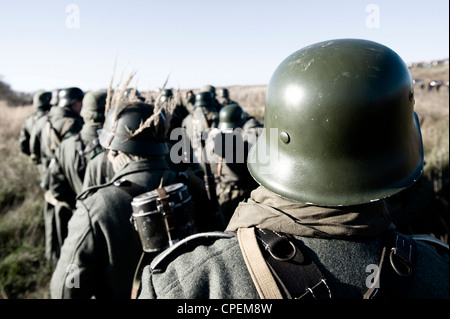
x: 14, y: 98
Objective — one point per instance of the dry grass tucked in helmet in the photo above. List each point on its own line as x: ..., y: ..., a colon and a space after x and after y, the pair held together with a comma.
x: 158, y: 123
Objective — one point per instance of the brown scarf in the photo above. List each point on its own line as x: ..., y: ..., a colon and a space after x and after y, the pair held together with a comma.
x: 267, y: 210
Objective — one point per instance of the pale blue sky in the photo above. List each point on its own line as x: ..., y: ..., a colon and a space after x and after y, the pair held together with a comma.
x: 198, y: 42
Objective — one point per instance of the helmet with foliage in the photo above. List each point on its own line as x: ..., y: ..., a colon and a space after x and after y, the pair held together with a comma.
x: 136, y: 128
x: 340, y: 126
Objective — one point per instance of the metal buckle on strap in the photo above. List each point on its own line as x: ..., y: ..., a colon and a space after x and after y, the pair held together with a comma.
x: 321, y: 290
x: 270, y: 246
x: 400, y: 265
x: 289, y: 257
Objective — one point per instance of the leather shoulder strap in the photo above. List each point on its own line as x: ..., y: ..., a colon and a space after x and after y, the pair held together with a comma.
x: 279, y: 268
x: 262, y: 277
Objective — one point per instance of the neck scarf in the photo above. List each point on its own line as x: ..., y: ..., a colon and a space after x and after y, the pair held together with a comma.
x: 267, y: 210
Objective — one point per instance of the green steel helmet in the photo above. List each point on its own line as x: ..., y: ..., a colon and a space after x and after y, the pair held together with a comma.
x: 223, y: 93
x: 93, y: 109
x: 41, y: 100
x: 166, y: 94
x: 68, y: 96
x: 204, y: 99
x: 209, y: 88
x: 340, y: 127
x: 123, y: 130
x: 231, y: 116
x: 129, y: 92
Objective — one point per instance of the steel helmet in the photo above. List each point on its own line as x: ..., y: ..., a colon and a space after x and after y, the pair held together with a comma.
x: 133, y: 93
x: 67, y: 97
x: 208, y: 88
x: 41, y: 100
x: 204, y: 99
x: 94, y: 107
x: 166, y: 94
x: 124, y: 131
x: 340, y: 126
x: 223, y: 93
x: 231, y: 116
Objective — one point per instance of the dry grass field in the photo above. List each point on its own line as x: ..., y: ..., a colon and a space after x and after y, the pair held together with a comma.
x: 24, y: 272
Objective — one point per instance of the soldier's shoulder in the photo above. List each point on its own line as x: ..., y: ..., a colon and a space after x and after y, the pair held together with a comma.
x: 186, y: 245
x: 42, y: 120
x: 432, y: 242
x: 85, y: 193
x: 97, y: 154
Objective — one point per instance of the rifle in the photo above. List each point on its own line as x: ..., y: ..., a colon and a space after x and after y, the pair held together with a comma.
x: 210, y: 186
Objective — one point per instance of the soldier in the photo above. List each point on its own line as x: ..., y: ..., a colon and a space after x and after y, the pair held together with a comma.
x: 101, y: 244
x: 133, y: 93
x: 35, y: 139
x: 180, y: 111
x: 223, y: 97
x: 75, y: 152
x: 61, y: 122
x: 212, y: 90
x: 41, y: 105
x: 226, y: 151
x: 194, y: 133
x: 198, y: 124
x: 340, y: 134
x: 189, y: 100
x: 99, y: 170
x: 66, y: 170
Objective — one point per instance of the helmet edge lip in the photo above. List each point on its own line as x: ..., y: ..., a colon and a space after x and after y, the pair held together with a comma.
x: 290, y: 192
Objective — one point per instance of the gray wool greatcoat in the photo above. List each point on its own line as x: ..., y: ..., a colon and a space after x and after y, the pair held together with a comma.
x: 100, y: 254
x: 213, y: 266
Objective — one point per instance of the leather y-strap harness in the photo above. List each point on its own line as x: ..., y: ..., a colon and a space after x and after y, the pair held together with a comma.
x: 279, y: 268
x: 283, y: 254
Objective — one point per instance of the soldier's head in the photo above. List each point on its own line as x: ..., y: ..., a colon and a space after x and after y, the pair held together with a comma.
x: 209, y: 88
x: 231, y: 116
x: 224, y: 93
x: 339, y: 125
x: 93, y: 111
x: 204, y: 99
x: 135, y: 130
x: 166, y: 94
x: 41, y: 100
x: 72, y: 98
x: 133, y: 93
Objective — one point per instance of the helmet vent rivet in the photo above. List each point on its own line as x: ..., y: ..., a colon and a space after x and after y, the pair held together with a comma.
x: 285, y: 138
x: 411, y: 95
